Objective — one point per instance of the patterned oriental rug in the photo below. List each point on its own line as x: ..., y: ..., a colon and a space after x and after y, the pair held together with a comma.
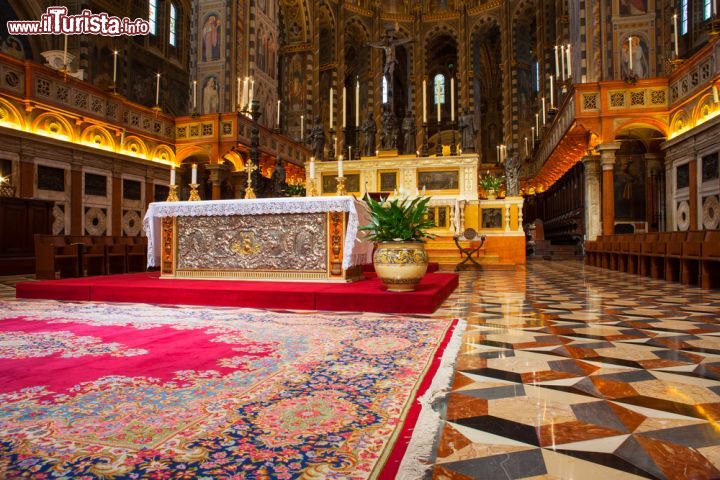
x: 139, y: 391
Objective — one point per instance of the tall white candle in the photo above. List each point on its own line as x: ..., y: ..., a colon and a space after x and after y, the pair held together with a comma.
x: 569, y: 61
x: 344, y: 119
x: 194, y: 94
x: 543, y: 110
x: 172, y: 175
x: 331, y: 107
x: 278, y: 114
x: 194, y: 173
x: 115, y: 57
x: 552, y: 93
x: 532, y: 130
x: 357, y: 102
x: 340, y: 166
x: 562, y: 62
x: 675, y: 35
x: 302, y: 128
x: 243, y: 103
x: 312, y: 167
x: 557, y: 62
x: 252, y: 91
x: 498, y: 153
x: 537, y: 124
x: 527, y: 151
x: 452, y: 99
x: 424, y: 97
x: 239, y: 95
x: 350, y: 152
x: 157, y: 90
x: 630, y: 55
x: 65, y: 53
x: 437, y: 102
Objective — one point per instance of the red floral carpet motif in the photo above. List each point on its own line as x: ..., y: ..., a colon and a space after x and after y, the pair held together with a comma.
x: 135, y: 391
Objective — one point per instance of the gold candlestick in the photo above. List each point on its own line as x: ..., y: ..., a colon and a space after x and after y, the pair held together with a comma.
x: 341, y: 186
x: 194, y: 195
x: 172, y: 194
x: 312, y: 189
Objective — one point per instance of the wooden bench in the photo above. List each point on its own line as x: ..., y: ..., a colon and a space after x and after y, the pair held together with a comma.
x: 710, y: 260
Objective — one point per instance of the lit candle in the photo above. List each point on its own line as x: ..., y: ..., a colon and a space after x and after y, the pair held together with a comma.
x: 552, y: 92
x: 424, y: 97
x: 115, y: 55
x: 537, y: 124
x: 312, y: 167
x: 194, y: 94
x: 65, y: 53
x: 569, y: 61
x: 278, y: 113
x: 172, y: 175
x: 344, y: 119
x: 675, y: 35
x: 157, y: 90
x: 543, y: 110
x: 302, y: 128
x: 340, y: 166
x: 194, y: 174
x: 252, y: 90
x: 630, y: 56
x: 532, y: 130
x: 239, y: 97
x: 498, y: 153
x: 557, y: 63
x: 244, y: 94
x: 349, y: 152
x: 437, y: 102
x: 357, y: 102
x: 527, y: 150
x: 562, y: 61
x: 331, y: 107
x: 452, y: 99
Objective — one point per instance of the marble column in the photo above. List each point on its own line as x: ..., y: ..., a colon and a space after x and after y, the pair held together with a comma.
x: 669, y: 197
x: 653, y: 171
x: 607, y: 160
x: 76, y: 202
x: 592, y: 197
x: 694, y: 223
x: 217, y: 174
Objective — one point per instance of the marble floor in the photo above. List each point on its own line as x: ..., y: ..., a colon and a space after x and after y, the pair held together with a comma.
x: 569, y: 372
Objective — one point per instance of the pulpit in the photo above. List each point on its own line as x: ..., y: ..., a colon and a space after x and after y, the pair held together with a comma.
x: 289, y: 239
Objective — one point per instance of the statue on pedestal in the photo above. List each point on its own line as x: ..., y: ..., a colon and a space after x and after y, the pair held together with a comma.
x: 512, y: 175
x: 317, y: 139
x: 409, y: 133
x: 389, y: 134
x: 466, y: 123
x: 369, y: 129
x: 278, y: 178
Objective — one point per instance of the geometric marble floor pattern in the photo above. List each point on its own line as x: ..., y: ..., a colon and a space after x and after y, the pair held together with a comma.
x: 569, y: 371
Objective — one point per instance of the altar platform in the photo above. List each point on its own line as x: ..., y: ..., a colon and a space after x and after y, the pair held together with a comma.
x: 366, y: 295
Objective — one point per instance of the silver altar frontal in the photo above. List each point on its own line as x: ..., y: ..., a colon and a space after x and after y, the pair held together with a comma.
x: 291, y: 239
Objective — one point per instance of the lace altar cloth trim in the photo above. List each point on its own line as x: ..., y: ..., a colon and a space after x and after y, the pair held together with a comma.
x: 357, y: 251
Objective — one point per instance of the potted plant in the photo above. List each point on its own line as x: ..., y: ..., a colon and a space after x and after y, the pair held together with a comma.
x: 491, y: 184
x: 399, y: 228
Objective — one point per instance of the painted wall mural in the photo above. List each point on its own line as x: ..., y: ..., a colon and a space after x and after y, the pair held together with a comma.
x: 210, y: 38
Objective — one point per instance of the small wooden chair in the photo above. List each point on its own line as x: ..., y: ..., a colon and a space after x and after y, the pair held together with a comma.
x: 476, y: 245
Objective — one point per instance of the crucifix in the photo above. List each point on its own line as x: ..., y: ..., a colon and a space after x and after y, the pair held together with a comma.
x: 249, y: 168
x: 388, y: 43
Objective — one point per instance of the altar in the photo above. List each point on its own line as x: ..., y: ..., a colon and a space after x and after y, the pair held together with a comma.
x: 290, y: 239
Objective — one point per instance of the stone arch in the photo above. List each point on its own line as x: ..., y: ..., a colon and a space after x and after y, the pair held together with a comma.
x: 98, y: 137
x: 53, y: 125
x: 163, y: 153
x: 10, y: 114
x: 134, y: 146
x: 704, y: 108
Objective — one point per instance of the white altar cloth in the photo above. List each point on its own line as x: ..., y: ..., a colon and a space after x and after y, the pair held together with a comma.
x: 357, y: 249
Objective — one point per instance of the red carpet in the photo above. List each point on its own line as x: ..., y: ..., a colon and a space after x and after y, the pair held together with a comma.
x: 364, y: 296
